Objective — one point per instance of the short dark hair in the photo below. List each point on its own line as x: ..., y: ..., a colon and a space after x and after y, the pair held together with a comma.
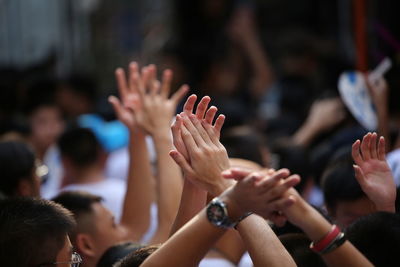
x: 32, y: 231
x: 298, y: 246
x: 377, y: 236
x: 136, y: 258
x: 40, y: 93
x: 339, y: 182
x: 80, y: 146
x: 117, y: 252
x: 80, y: 204
x: 17, y: 162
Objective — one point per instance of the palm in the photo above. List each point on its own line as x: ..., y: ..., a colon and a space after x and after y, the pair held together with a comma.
x: 372, y: 171
x: 378, y: 179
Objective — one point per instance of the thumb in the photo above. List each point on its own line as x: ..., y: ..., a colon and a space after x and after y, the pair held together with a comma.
x: 236, y: 173
x: 181, y: 161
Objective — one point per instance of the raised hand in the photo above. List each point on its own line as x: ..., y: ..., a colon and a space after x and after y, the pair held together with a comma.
x: 203, y: 114
x: 128, y: 92
x: 207, y: 156
x: 157, y: 108
x: 373, y: 173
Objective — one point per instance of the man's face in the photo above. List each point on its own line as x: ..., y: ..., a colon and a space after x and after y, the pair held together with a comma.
x: 106, y: 231
x: 65, y: 254
x: 347, y: 212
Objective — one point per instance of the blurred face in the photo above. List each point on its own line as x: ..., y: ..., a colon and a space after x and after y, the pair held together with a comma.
x: 107, y: 232
x: 64, y: 255
x: 347, y: 212
x: 46, y: 125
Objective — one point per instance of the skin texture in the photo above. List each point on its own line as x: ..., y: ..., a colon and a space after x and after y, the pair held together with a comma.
x: 373, y: 173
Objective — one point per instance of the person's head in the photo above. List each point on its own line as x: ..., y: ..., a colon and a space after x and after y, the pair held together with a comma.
x: 298, y: 246
x: 76, y: 95
x: 96, y: 229
x: 116, y: 253
x: 18, y: 175
x: 34, y: 232
x: 79, y: 150
x: 344, y: 198
x: 45, y: 118
x: 246, y: 143
x: 377, y: 236
x: 136, y: 258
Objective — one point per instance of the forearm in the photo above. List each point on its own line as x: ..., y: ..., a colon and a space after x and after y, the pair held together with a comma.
x: 257, y: 234
x: 305, y: 135
x: 193, y: 200
x: 140, y: 189
x: 169, y: 184
x: 263, y: 74
x: 317, y: 227
x: 188, y: 245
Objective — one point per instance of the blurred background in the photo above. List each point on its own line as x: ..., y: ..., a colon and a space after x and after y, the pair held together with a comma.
x: 263, y: 62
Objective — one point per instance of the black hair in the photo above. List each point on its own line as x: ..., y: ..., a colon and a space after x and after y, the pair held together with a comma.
x: 82, y: 85
x: 294, y: 158
x: 298, y: 246
x: 17, y: 162
x: 79, y: 203
x: 377, y: 236
x: 245, y: 143
x: 116, y: 253
x: 32, y: 231
x: 136, y: 258
x: 339, y: 182
x: 40, y: 93
x: 80, y: 146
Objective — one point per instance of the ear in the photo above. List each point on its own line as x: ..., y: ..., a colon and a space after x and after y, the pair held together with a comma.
x: 25, y: 188
x: 85, y: 245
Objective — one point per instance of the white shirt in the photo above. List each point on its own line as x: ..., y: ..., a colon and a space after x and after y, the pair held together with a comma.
x: 111, y: 190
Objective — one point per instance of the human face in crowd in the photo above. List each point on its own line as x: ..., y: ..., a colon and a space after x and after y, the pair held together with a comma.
x: 46, y: 125
x: 347, y: 212
x: 106, y: 231
x: 64, y: 255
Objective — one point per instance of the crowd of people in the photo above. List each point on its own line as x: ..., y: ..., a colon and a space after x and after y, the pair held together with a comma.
x: 212, y: 209
x: 253, y: 165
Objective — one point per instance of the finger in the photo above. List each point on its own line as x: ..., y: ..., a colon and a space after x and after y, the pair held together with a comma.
x: 116, y: 105
x: 359, y: 174
x: 282, y: 203
x: 135, y: 81
x: 166, y: 83
x: 365, y: 147
x: 194, y: 132
x: 121, y: 82
x: 188, y: 140
x: 280, y: 189
x: 355, y: 153
x: 381, y: 148
x: 176, y: 128
x: 203, y: 133
x: 236, y: 173
x: 210, y: 114
x: 181, y: 161
x: 219, y: 122
x: 178, y: 95
x: 189, y: 104
x: 373, y: 148
x: 153, y: 84
x: 271, y: 181
x: 202, y: 107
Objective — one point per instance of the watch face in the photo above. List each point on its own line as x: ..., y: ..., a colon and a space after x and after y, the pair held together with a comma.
x: 216, y: 214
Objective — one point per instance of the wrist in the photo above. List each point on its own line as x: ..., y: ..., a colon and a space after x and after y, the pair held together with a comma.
x: 234, y: 210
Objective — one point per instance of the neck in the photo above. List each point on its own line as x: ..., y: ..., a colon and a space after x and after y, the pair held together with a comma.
x: 87, y: 175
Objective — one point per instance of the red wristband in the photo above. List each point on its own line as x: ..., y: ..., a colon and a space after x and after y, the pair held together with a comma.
x: 326, y: 240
